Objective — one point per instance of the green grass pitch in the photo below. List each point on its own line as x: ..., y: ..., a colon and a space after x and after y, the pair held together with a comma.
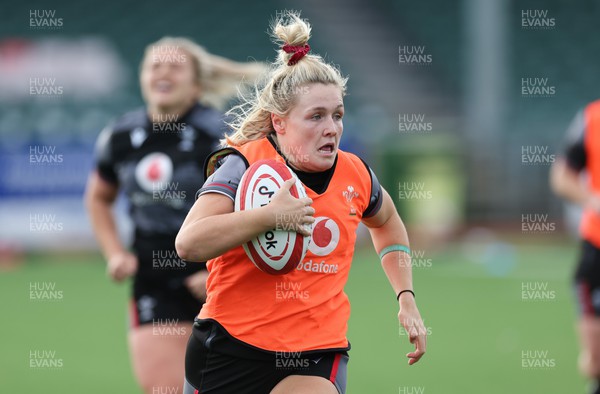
x: 482, y: 330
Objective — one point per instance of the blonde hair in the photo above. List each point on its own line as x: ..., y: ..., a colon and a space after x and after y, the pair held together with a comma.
x: 278, y: 88
x: 218, y: 77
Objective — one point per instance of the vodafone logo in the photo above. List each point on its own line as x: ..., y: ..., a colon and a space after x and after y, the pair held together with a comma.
x: 155, y: 168
x: 325, y: 236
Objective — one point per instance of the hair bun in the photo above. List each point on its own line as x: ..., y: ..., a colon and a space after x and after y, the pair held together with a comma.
x: 291, y: 33
x: 278, y: 90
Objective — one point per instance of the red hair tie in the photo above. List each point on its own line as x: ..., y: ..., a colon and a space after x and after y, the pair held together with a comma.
x: 299, y: 51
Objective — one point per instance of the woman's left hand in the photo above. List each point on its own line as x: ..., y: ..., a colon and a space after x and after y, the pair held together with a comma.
x: 411, y: 320
x: 196, y: 284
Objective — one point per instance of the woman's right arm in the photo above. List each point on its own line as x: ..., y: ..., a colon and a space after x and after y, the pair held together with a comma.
x: 567, y: 183
x: 100, y: 196
x: 211, y: 228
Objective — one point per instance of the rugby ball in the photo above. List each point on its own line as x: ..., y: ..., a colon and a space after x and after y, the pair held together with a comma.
x: 276, y: 251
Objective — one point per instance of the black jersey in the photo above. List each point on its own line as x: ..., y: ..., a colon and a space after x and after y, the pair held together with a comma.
x: 158, y: 165
x: 575, y: 143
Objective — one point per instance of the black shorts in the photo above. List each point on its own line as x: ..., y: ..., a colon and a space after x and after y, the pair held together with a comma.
x: 250, y: 371
x: 159, y: 303
x: 159, y: 294
x: 587, y: 280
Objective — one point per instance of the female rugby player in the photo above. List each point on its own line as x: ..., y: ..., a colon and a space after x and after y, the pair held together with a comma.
x: 582, y: 154
x: 155, y: 156
x: 247, y: 339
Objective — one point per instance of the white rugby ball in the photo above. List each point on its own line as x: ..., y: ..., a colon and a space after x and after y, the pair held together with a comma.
x: 276, y: 251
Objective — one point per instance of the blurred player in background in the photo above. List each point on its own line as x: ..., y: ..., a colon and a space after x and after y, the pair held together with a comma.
x: 582, y: 157
x: 245, y: 340
x: 155, y: 156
